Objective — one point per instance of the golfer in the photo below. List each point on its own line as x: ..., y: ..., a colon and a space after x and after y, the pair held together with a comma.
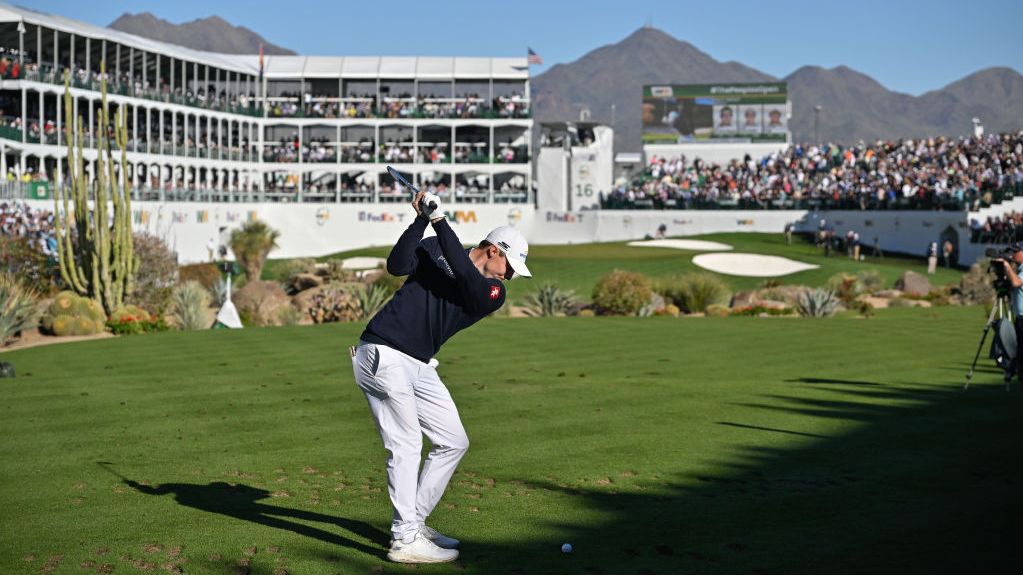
x: 448, y: 289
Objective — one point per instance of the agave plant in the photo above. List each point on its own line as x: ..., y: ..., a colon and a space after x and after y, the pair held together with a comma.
x: 549, y: 300
x: 371, y: 299
x: 17, y: 308
x: 188, y: 306
x: 816, y: 303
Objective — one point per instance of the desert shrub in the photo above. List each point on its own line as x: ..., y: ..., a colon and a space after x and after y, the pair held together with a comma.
x: 157, y: 273
x: 35, y: 271
x: 757, y: 310
x: 132, y: 319
x: 586, y: 313
x: 389, y: 282
x: 549, y: 300
x: 718, y: 310
x: 72, y: 314
x: 621, y: 293
x: 289, y: 315
x: 18, y: 310
x: 335, y: 303
x: 693, y: 292
x: 899, y: 302
x: 843, y: 286
x: 816, y: 303
x: 863, y: 308
x: 938, y: 297
x: 975, y: 287
x: 869, y: 281
x: 207, y: 275
x: 371, y: 298
x: 189, y: 304
x: 284, y: 270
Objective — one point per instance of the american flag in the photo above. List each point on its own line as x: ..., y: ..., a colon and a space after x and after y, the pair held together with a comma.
x: 533, y: 58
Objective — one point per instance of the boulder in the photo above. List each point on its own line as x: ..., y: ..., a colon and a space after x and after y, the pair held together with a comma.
x: 888, y: 293
x: 783, y: 293
x: 302, y: 299
x: 743, y: 299
x: 261, y: 301
x: 913, y: 283
x: 302, y: 282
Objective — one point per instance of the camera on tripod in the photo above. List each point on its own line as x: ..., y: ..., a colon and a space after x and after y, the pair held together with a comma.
x: 1001, y: 282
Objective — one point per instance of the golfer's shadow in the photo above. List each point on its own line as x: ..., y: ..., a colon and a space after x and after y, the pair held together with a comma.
x: 242, y: 502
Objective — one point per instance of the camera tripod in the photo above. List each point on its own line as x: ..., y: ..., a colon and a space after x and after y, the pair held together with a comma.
x: 999, y: 310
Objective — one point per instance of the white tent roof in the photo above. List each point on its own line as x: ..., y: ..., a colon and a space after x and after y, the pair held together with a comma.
x: 370, y: 67
x: 9, y: 13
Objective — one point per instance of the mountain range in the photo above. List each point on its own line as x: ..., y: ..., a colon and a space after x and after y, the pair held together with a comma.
x: 854, y: 106
x: 213, y: 34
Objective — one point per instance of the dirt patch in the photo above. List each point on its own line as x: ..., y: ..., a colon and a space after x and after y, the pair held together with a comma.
x: 33, y: 338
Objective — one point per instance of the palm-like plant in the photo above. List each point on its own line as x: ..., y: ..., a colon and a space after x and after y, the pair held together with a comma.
x: 251, y: 244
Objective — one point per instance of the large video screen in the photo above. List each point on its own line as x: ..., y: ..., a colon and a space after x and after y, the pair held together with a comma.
x: 715, y: 112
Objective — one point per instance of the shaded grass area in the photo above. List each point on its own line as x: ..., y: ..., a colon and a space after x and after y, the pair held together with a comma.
x: 577, y: 267
x: 658, y: 445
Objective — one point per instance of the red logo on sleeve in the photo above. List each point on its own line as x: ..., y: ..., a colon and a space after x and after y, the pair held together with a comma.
x: 495, y: 292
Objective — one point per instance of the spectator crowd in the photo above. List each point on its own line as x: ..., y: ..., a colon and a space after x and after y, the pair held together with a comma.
x: 933, y: 173
x: 19, y: 220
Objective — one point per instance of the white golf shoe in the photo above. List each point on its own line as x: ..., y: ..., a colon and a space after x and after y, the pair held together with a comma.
x: 438, y: 538
x: 420, y: 550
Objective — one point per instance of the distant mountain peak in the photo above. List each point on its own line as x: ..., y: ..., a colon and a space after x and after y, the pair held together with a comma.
x: 210, y: 34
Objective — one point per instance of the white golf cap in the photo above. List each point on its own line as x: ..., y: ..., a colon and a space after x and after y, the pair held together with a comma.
x: 513, y: 244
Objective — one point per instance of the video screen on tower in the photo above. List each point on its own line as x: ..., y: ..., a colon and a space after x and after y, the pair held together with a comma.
x: 715, y: 112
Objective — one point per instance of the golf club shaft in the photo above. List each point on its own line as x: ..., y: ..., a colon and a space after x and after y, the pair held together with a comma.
x: 408, y: 185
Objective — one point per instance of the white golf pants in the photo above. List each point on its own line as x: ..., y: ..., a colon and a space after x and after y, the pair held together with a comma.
x: 408, y: 399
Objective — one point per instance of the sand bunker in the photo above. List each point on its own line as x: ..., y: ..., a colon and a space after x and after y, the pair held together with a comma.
x: 692, y: 245
x: 362, y: 263
x: 750, y: 265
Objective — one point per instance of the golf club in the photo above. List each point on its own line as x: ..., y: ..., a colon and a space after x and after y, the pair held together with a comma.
x: 408, y: 185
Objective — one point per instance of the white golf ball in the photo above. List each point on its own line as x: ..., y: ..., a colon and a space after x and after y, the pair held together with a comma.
x: 566, y: 548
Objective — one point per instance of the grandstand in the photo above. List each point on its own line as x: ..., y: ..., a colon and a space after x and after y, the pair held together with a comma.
x: 223, y: 127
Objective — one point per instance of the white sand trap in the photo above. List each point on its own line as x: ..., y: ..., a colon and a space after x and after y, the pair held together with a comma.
x: 361, y: 263
x: 750, y: 265
x: 693, y: 245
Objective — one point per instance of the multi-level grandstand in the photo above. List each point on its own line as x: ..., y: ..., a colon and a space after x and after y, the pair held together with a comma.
x: 280, y: 128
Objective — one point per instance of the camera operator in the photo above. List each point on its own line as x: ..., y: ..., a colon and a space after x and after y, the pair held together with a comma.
x: 1012, y: 273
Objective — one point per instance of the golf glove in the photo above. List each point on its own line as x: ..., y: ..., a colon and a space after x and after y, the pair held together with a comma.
x: 431, y: 213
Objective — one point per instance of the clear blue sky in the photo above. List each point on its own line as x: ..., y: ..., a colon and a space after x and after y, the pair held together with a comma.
x: 912, y: 46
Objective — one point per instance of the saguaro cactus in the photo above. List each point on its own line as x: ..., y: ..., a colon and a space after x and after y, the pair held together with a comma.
x: 101, y: 264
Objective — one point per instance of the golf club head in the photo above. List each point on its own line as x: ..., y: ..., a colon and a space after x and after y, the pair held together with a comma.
x: 407, y: 185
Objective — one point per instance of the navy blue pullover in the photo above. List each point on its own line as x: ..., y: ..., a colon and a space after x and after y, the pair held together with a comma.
x: 443, y: 294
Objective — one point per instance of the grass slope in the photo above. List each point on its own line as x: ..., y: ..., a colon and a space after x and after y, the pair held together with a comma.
x: 577, y: 267
x: 656, y: 445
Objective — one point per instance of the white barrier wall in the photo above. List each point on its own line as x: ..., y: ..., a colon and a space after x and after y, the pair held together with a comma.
x: 312, y: 230
x: 906, y: 232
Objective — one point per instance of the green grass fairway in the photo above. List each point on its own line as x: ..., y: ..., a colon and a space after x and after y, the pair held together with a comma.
x: 578, y: 267
x: 657, y: 445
